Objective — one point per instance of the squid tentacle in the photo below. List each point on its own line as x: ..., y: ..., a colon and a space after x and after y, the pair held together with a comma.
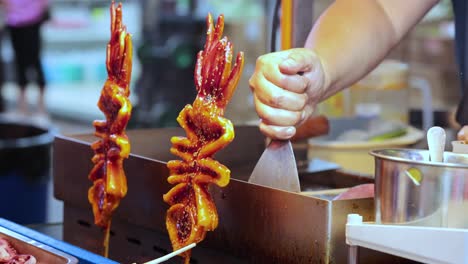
x: 192, y: 210
x: 108, y: 177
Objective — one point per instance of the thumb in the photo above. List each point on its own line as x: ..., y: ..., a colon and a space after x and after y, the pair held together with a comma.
x: 297, y: 61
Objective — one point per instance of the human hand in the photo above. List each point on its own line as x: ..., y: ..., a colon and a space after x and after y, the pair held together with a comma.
x: 463, y: 134
x: 286, y: 85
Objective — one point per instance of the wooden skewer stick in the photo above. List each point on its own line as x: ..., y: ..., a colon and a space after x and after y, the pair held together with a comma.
x: 106, y: 241
x: 170, y: 255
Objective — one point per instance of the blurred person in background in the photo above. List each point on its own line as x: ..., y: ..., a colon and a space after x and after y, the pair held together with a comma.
x: 24, y: 19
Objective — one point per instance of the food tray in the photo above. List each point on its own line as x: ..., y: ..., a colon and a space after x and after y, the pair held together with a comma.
x: 43, y: 253
x: 83, y: 256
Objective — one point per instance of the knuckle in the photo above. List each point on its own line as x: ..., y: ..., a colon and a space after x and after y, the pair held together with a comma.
x: 259, y: 108
x: 305, y: 83
x: 298, y: 117
x: 268, y: 130
x: 261, y: 60
x: 265, y: 130
x: 303, y: 101
x: 283, y: 82
x: 265, y: 116
x: 252, y: 82
x: 277, y: 100
x: 284, y: 133
x: 296, y: 56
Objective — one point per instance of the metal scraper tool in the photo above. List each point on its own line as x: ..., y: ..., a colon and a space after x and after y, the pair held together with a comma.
x: 277, y: 168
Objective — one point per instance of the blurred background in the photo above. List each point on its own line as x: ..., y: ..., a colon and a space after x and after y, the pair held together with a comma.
x: 167, y: 34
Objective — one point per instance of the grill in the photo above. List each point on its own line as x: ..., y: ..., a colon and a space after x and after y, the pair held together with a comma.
x: 257, y: 224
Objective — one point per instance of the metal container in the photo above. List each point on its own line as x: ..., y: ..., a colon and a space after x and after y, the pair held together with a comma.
x: 411, y: 190
x: 43, y: 253
x: 40, y: 237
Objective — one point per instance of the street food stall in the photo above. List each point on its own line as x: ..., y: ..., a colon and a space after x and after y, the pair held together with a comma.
x: 357, y: 184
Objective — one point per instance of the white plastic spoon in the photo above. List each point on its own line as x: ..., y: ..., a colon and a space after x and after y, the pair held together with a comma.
x: 436, y: 142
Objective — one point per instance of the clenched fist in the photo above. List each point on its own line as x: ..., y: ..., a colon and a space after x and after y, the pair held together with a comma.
x: 286, y: 85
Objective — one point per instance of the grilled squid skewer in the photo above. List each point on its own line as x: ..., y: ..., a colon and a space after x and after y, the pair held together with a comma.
x: 108, y: 176
x: 192, y: 210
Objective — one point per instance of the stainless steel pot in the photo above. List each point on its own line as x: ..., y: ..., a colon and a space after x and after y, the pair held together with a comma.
x: 411, y: 190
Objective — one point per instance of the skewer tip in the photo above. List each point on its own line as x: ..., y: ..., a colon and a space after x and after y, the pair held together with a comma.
x: 170, y: 255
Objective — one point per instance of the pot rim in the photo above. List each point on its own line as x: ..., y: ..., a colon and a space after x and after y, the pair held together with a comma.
x: 376, y: 153
x: 43, y: 139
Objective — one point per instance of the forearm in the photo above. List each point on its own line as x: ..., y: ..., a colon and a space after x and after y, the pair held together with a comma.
x: 352, y: 37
